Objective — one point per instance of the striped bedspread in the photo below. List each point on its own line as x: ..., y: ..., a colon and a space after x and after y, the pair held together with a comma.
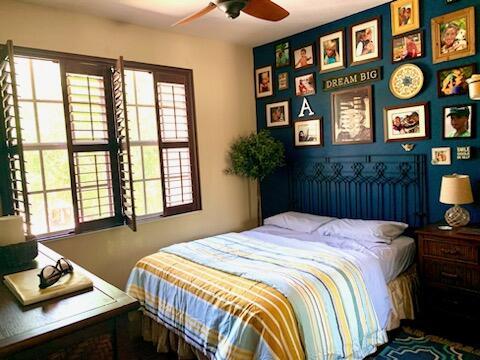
x: 235, y: 297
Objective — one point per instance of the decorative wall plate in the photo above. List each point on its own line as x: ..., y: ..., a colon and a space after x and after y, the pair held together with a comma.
x: 406, y: 81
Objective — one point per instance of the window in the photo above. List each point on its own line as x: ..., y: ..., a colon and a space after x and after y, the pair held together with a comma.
x: 90, y: 143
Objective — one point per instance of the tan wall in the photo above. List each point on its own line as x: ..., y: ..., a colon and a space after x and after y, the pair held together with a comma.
x: 224, y: 106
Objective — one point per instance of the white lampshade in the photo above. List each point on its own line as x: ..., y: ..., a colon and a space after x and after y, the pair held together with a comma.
x: 474, y: 87
x: 456, y: 190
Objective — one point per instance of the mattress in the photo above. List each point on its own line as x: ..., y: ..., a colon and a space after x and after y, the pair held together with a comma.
x: 394, y: 258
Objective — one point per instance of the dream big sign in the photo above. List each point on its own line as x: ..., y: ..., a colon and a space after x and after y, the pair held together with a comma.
x: 357, y: 78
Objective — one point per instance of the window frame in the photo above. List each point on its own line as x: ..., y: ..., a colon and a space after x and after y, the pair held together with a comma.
x: 161, y: 72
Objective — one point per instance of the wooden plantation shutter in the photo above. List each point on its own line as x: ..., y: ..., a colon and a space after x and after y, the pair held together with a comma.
x: 123, y: 139
x: 92, y: 145
x: 177, y: 141
x: 11, y: 118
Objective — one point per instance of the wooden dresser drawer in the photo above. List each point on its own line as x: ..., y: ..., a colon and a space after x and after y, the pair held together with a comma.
x: 460, y: 251
x: 451, y: 274
x: 453, y: 303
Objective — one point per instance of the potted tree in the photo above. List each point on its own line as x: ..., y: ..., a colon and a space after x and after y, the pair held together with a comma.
x: 255, y: 156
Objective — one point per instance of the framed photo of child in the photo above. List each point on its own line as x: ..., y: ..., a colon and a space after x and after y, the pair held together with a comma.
x: 303, y: 57
x: 308, y: 133
x: 352, y: 116
x: 441, y: 156
x: 365, y: 41
x: 408, y: 46
x: 458, y: 122
x: 278, y: 114
x: 282, y: 54
x: 453, y: 35
x: 305, y: 85
x: 332, y: 51
x: 453, y: 81
x: 405, y: 16
x: 263, y: 82
x: 283, y: 81
x: 406, y: 122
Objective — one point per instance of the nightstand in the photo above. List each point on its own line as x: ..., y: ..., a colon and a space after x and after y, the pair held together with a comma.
x: 449, y: 264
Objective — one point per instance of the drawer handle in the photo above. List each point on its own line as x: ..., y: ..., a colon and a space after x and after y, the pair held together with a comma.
x: 450, y: 251
x: 449, y: 275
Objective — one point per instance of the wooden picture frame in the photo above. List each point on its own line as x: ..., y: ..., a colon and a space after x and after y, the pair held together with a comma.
x: 304, y: 57
x: 352, y: 116
x: 409, y: 46
x: 264, y: 82
x: 453, y: 35
x: 308, y: 132
x: 305, y: 85
x: 405, y: 16
x: 366, y: 41
x: 282, y: 54
x: 450, y: 130
x: 452, y: 81
x: 331, y: 51
x: 278, y: 114
x: 283, y: 81
x: 408, y: 122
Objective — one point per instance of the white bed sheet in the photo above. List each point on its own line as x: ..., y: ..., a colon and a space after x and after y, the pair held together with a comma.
x: 393, y: 259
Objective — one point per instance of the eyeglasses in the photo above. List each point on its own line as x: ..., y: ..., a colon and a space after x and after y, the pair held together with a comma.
x: 50, y: 274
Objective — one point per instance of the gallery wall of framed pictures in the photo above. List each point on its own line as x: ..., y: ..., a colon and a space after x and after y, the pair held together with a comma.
x: 386, y: 80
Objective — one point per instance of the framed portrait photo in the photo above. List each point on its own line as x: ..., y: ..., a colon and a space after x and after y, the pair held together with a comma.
x: 332, y: 51
x: 453, y: 81
x: 282, y: 54
x: 366, y: 41
x: 278, y: 114
x: 303, y: 57
x: 263, y: 82
x: 305, y: 85
x: 283, y: 81
x: 352, y: 116
x: 405, y: 16
x: 458, y: 122
x: 406, y: 122
x: 453, y: 35
x: 408, y: 46
x: 308, y: 133
x: 441, y: 156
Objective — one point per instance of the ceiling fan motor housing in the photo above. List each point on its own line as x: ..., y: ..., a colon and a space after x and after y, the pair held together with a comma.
x: 232, y: 7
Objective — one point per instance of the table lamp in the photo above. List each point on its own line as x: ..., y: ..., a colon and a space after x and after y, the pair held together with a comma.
x: 474, y: 87
x: 456, y: 190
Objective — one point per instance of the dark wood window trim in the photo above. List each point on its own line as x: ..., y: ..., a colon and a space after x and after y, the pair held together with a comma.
x: 161, y: 73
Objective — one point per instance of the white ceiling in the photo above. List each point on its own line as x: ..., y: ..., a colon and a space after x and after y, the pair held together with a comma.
x: 304, y: 14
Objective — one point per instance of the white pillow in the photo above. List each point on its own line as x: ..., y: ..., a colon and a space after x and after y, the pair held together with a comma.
x: 364, y: 230
x: 297, y: 221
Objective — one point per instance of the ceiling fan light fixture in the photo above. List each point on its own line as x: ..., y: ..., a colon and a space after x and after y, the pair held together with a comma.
x: 232, y: 8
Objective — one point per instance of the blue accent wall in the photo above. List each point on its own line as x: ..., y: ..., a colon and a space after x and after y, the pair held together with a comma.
x: 275, y: 188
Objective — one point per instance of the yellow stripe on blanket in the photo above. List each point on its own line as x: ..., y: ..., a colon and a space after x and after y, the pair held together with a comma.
x: 260, y: 306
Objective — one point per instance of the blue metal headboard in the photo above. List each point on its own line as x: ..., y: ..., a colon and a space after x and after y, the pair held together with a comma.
x: 380, y: 187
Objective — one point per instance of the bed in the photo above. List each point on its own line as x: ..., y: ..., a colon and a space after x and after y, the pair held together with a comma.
x: 278, y: 293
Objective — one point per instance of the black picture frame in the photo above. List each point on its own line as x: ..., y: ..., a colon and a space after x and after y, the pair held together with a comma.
x: 472, y: 122
x: 411, y: 33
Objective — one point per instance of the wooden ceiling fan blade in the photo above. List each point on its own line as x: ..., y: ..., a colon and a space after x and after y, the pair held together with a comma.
x: 266, y: 10
x: 195, y: 16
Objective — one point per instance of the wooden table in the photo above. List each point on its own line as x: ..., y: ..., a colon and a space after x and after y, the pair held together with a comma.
x: 91, y: 324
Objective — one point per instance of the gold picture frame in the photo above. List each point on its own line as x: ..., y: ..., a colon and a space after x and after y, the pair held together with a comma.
x: 405, y: 16
x: 453, y: 35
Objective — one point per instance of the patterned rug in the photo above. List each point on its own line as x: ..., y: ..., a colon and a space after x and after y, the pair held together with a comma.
x: 410, y: 344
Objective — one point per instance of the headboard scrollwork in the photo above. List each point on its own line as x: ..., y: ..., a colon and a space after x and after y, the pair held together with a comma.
x: 381, y: 187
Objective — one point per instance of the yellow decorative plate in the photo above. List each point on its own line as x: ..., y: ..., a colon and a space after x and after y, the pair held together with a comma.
x: 406, y: 81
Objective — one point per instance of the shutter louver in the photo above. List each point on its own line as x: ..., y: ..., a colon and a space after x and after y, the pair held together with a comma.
x: 177, y: 143
x: 90, y: 149
x: 11, y: 118
x: 123, y: 139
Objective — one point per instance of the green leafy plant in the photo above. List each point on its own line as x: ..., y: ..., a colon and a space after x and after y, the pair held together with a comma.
x: 255, y: 156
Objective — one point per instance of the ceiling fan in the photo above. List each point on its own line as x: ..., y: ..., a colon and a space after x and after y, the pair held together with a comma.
x: 262, y: 9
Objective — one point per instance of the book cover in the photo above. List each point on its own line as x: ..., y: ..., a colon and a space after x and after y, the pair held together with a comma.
x: 24, y: 285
